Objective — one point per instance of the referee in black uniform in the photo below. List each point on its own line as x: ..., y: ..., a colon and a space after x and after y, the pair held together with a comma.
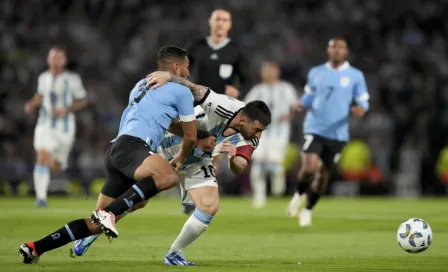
x: 216, y: 60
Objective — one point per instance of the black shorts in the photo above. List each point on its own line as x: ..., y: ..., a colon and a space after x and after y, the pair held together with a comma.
x: 122, y: 158
x: 328, y: 150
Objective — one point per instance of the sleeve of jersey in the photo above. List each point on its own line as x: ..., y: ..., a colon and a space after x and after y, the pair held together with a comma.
x: 246, y: 148
x: 220, y: 106
x: 361, y: 94
x: 185, y: 105
x: 79, y: 92
x: 40, y: 85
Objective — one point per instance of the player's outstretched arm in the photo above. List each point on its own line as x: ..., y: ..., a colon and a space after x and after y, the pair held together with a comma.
x: 159, y: 78
x: 34, y: 103
x: 189, y: 139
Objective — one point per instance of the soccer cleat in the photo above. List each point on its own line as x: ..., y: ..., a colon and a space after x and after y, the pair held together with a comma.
x: 176, y: 259
x: 28, y: 253
x: 188, y: 208
x: 81, y: 246
x: 295, y: 205
x: 106, y: 220
x: 41, y: 203
x: 305, y: 218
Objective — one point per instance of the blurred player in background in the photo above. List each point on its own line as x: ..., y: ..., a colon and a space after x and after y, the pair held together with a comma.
x: 330, y: 91
x: 280, y: 96
x: 216, y: 60
x: 59, y: 94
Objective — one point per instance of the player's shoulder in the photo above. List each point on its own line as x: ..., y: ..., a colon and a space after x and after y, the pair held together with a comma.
x: 285, y: 84
x: 44, y: 75
x: 72, y: 75
x: 355, y: 71
x: 318, y: 68
x: 174, y: 87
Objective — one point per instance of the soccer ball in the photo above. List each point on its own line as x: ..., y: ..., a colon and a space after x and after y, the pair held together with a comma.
x: 414, y: 235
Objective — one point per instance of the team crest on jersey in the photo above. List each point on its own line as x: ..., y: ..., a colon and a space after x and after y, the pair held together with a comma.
x: 225, y: 70
x: 345, y: 81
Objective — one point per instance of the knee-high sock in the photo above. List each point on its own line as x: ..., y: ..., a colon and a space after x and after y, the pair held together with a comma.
x: 196, y: 224
x: 278, y: 181
x: 258, y: 184
x: 41, y: 177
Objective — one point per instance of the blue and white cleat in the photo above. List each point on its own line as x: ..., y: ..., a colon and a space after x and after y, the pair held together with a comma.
x: 41, y: 203
x: 176, y: 259
x: 81, y: 246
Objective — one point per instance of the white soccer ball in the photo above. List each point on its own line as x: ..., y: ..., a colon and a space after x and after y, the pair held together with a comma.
x: 414, y: 235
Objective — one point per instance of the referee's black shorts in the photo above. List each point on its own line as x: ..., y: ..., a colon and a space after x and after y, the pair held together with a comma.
x: 122, y: 158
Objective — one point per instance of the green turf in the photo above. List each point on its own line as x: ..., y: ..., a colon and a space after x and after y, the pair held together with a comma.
x: 347, y: 235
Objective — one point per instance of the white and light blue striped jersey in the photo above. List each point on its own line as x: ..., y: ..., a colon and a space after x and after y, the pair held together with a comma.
x: 150, y: 112
x: 213, y: 115
x: 59, y: 92
x: 332, y: 92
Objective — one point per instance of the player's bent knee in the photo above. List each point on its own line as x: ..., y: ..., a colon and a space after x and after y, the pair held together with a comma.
x: 166, y: 181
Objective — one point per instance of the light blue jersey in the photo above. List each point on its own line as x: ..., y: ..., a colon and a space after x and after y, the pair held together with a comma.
x: 149, y: 115
x: 329, y: 93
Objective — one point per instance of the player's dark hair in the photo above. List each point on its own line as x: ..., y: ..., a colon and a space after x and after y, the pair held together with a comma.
x: 168, y: 53
x: 257, y: 111
x: 338, y: 38
x: 59, y: 47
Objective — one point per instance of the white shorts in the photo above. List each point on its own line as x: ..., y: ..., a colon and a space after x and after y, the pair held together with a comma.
x: 197, y: 175
x: 59, y: 144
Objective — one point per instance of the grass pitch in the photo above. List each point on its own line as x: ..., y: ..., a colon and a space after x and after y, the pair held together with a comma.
x: 347, y: 235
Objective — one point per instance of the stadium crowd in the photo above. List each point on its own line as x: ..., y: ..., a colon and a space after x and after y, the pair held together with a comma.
x: 400, y: 48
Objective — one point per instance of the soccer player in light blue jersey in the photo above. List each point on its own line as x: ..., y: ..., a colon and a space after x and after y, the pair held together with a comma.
x: 134, y: 172
x: 330, y: 92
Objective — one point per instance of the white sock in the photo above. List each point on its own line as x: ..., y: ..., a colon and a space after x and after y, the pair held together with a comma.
x: 196, y: 224
x: 278, y: 182
x: 258, y: 184
x: 41, y: 181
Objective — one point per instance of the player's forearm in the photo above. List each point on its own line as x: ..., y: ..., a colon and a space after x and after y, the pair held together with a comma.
x: 237, y: 164
x: 36, y: 101
x: 176, y: 128
x: 198, y: 91
x: 186, y: 147
x: 78, y: 105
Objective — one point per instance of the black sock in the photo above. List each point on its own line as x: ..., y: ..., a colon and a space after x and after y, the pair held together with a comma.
x: 140, y: 191
x: 304, y: 182
x: 73, y: 231
x: 313, y: 197
x: 302, y: 186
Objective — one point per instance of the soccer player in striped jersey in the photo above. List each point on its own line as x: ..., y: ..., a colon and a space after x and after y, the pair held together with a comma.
x: 60, y: 93
x: 330, y: 92
x: 237, y: 128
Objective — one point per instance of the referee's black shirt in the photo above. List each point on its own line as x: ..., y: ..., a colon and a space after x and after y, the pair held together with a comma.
x: 215, y: 66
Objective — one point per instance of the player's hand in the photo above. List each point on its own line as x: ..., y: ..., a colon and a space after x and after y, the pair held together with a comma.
x: 157, y: 79
x: 285, y: 117
x: 298, y: 106
x: 358, y: 111
x: 29, y: 108
x: 206, y: 144
x: 60, y: 112
x: 232, y: 91
x: 228, y: 148
x: 177, y: 163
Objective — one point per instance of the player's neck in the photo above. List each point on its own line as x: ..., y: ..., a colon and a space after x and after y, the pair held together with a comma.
x: 336, y: 64
x: 217, y: 40
x: 271, y: 83
x: 56, y: 71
